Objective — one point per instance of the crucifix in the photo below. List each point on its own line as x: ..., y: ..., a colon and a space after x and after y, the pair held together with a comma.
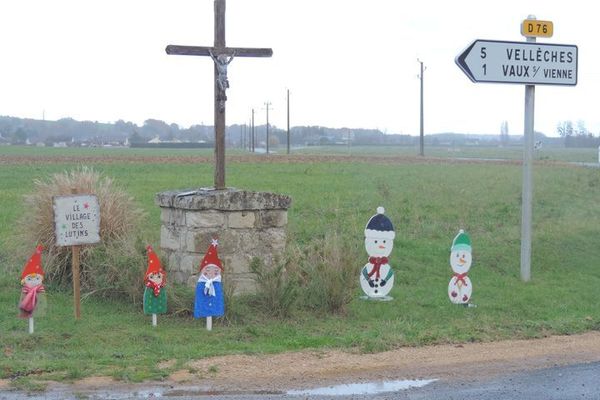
x: 221, y: 56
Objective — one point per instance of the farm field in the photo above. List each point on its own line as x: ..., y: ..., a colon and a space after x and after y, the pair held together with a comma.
x: 428, y: 200
x: 513, y: 152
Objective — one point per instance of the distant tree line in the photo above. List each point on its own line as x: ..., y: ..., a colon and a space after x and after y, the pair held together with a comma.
x: 21, y: 130
x: 24, y: 130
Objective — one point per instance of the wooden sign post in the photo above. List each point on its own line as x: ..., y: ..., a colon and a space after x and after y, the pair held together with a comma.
x: 221, y: 56
x: 76, y: 222
x: 76, y: 283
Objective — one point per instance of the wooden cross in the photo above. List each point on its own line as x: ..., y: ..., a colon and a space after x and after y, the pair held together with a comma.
x: 221, y: 56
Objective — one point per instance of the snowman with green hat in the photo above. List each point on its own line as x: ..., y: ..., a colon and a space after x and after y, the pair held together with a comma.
x: 377, y: 276
x: 460, y: 287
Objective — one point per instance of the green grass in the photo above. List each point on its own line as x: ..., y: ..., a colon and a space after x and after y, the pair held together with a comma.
x: 428, y: 203
x: 513, y: 152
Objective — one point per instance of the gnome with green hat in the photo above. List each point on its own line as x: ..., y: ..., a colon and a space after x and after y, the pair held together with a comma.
x: 460, y: 288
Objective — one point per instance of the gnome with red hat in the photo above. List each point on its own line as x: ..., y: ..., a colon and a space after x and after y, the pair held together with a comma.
x: 209, y: 300
x: 32, y: 302
x: 155, y: 294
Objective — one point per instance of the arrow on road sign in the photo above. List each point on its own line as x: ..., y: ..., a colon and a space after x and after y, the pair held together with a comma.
x: 519, y: 62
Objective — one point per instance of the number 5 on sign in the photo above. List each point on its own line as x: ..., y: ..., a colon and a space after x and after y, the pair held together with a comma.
x: 535, y: 28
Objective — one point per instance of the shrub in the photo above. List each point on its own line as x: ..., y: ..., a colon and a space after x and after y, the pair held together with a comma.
x: 328, y: 273
x: 321, y: 276
x: 112, y: 268
x: 277, y: 286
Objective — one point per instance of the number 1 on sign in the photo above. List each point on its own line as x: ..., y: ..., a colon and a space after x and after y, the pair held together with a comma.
x: 484, y: 69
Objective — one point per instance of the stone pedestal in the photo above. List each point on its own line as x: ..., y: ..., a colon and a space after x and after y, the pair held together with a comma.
x: 248, y: 224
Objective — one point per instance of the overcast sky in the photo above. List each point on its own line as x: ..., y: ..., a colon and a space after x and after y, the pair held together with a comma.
x: 347, y: 63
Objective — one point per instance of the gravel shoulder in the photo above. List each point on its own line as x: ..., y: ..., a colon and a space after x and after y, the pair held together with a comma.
x: 309, y: 369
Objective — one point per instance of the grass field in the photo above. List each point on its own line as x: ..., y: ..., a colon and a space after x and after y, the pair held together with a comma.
x: 427, y: 201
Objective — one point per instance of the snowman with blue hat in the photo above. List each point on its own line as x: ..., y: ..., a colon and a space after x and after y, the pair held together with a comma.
x: 460, y: 287
x: 377, y: 276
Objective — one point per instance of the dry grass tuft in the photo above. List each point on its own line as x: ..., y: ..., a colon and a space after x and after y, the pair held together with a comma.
x: 328, y: 273
x: 119, y: 219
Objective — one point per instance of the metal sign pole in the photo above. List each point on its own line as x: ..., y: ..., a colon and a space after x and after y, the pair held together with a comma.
x: 527, y: 198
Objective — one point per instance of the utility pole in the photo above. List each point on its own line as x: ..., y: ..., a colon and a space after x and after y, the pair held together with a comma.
x: 249, y: 136
x: 288, y: 121
x: 241, y: 136
x: 421, y: 137
x: 253, y: 141
x: 267, y: 104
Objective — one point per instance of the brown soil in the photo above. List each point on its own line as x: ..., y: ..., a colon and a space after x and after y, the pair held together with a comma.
x: 307, y: 369
x: 287, y: 159
x: 315, y: 368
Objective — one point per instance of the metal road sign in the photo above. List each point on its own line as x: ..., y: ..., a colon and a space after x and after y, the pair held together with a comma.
x: 537, y: 28
x: 519, y: 62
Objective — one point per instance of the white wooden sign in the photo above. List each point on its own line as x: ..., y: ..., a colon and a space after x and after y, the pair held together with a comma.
x: 76, y: 220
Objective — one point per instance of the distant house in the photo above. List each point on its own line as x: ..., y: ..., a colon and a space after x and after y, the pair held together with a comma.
x: 155, y: 140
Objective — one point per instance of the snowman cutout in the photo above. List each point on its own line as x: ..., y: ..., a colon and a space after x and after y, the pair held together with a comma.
x: 377, y: 276
x: 460, y: 287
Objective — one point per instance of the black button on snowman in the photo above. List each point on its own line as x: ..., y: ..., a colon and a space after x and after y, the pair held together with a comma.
x: 377, y: 276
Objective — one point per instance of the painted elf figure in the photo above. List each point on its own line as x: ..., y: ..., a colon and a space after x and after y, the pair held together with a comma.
x: 33, y: 297
x: 155, y: 294
x: 209, y: 301
x: 460, y: 287
x: 377, y: 276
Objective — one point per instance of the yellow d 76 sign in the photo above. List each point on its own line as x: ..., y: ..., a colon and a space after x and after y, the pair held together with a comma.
x: 536, y: 28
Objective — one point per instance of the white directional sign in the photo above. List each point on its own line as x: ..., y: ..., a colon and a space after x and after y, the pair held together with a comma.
x: 519, y: 62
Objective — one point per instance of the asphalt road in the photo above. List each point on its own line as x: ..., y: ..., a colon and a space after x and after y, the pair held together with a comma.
x: 580, y: 381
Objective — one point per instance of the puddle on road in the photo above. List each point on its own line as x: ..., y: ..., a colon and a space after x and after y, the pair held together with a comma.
x: 192, y: 391
x: 362, y: 388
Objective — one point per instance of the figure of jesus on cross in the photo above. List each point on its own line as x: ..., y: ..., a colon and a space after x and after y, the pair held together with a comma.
x: 222, y: 57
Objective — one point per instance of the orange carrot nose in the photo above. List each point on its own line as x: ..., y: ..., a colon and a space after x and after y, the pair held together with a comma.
x: 381, y: 246
x: 462, y: 260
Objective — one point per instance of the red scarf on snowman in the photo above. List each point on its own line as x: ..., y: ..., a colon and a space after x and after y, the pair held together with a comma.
x: 460, y: 278
x: 377, y: 263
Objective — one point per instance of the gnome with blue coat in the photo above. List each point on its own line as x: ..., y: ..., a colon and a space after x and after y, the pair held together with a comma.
x: 209, y: 301
x: 377, y: 276
x: 460, y: 287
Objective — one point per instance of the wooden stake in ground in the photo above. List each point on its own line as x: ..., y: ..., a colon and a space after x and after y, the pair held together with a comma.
x: 75, y: 250
x: 222, y: 57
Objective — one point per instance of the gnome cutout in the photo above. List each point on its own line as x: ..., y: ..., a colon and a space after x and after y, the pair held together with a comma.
x: 209, y: 301
x: 460, y: 287
x: 33, y: 297
x: 155, y: 294
x: 377, y: 276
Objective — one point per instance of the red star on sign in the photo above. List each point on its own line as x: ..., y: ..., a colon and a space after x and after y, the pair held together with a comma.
x: 86, y: 205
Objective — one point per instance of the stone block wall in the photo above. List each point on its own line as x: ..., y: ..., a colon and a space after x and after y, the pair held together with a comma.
x: 248, y: 224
